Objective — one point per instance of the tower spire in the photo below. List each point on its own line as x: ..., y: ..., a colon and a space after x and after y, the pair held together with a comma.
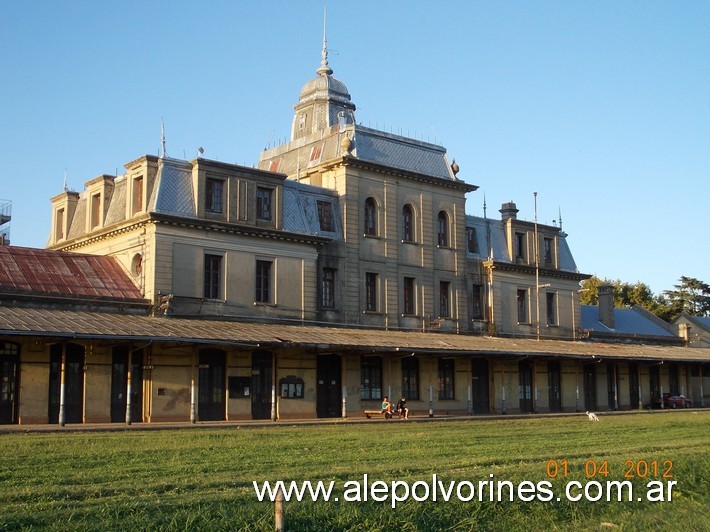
x: 324, y: 69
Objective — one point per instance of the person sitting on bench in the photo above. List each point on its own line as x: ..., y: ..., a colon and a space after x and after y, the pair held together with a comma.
x: 402, y: 408
x: 386, y: 406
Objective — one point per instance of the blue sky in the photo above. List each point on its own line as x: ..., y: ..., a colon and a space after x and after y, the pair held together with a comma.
x: 602, y: 108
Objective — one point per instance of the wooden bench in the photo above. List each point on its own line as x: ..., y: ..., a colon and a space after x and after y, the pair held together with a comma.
x: 370, y: 413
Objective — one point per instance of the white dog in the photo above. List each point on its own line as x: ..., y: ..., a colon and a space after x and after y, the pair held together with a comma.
x: 592, y: 416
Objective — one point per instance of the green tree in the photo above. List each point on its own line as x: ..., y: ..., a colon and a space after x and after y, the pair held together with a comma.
x: 690, y: 295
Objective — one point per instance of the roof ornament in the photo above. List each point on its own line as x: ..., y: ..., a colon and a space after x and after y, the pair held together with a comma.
x: 455, y: 167
x: 324, y: 69
x: 162, y: 138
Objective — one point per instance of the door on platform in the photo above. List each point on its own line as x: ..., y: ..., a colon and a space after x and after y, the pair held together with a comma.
x: 554, y: 383
x: 73, y: 383
x: 261, y: 384
x: 119, y: 385
x: 612, y: 386
x: 211, y: 398
x: 479, y: 385
x: 654, y: 381
x: 328, y: 382
x: 526, y: 385
x: 590, y: 387
x: 634, y: 386
x: 9, y: 374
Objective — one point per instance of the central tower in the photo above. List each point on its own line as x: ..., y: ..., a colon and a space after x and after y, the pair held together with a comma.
x: 324, y: 101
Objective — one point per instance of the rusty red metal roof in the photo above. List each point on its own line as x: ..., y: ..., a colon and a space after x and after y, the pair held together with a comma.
x: 60, y: 273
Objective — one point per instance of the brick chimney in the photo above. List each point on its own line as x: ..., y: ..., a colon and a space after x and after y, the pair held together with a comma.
x: 606, y: 305
x: 508, y: 211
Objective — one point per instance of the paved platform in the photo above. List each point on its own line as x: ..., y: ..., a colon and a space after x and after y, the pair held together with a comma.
x: 356, y: 418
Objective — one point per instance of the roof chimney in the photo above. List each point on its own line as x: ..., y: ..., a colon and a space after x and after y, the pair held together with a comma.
x: 606, y: 305
x: 508, y: 211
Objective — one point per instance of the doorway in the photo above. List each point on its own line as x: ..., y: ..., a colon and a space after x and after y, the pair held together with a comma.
x: 261, y: 384
x: 526, y: 375
x: 211, y: 403
x: 634, y: 386
x: 328, y: 392
x: 480, y: 396
x: 554, y: 383
x: 119, y: 385
x: 73, y: 383
x: 9, y: 374
x: 590, y: 387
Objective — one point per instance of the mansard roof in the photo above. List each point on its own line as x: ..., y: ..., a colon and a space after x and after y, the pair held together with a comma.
x: 367, y: 145
x: 491, y: 235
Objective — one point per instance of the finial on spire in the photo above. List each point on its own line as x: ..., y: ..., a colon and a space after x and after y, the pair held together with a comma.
x: 162, y: 137
x: 324, y: 69
x: 559, y: 217
x: 484, y: 205
x: 66, y: 187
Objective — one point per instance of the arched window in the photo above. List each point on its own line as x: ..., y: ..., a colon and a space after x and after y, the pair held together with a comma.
x: 443, y: 229
x: 407, y: 223
x: 370, y: 216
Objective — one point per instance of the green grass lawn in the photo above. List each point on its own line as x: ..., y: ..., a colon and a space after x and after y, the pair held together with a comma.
x: 201, y: 478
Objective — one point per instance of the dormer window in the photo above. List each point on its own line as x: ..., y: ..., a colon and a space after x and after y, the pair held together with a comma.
x: 95, y: 212
x: 472, y: 240
x: 59, y: 225
x: 213, y: 195
x: 137, y: 195
x: 325, y: 216
x: 520, y: 245
x: 547, y: 248
x: 263, y: 203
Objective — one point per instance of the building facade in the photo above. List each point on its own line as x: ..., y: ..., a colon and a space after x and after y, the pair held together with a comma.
x: 311, y: 286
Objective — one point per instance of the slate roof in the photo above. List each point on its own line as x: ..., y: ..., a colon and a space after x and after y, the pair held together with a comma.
x: 114, y: 327
x: 300, y: 209
x: 488, y: 228
x: 368, y: 145
x: 626, y: 321
x: 58, y: 273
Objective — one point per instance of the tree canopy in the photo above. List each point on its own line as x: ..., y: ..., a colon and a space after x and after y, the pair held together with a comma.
x: 690, y: 295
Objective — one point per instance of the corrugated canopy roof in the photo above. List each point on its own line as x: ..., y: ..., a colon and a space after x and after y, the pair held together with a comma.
x: 115, y: 327
x: 59, y: 273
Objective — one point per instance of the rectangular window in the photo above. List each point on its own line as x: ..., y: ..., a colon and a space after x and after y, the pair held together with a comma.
x: 263, y: 203
x: 408, y: 292
x: 522, y: 306
x: 263, y: 281
x: 137, y: 194
x: 325, y: 215
x: 519, y: 245
x: 446, y: 379
x: 213, y: 195
x: 328, y: 295
x: 551, y: 308
x: 444, y: 303
x: 472, y: 240
x: 59, y: 225
x: 371, y: 292
x: 477, y: 302
x: 547, y: 243
x: 410, y: 378
x: 370, y: 378
x: 95, y: 210
x: 213, y: 275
